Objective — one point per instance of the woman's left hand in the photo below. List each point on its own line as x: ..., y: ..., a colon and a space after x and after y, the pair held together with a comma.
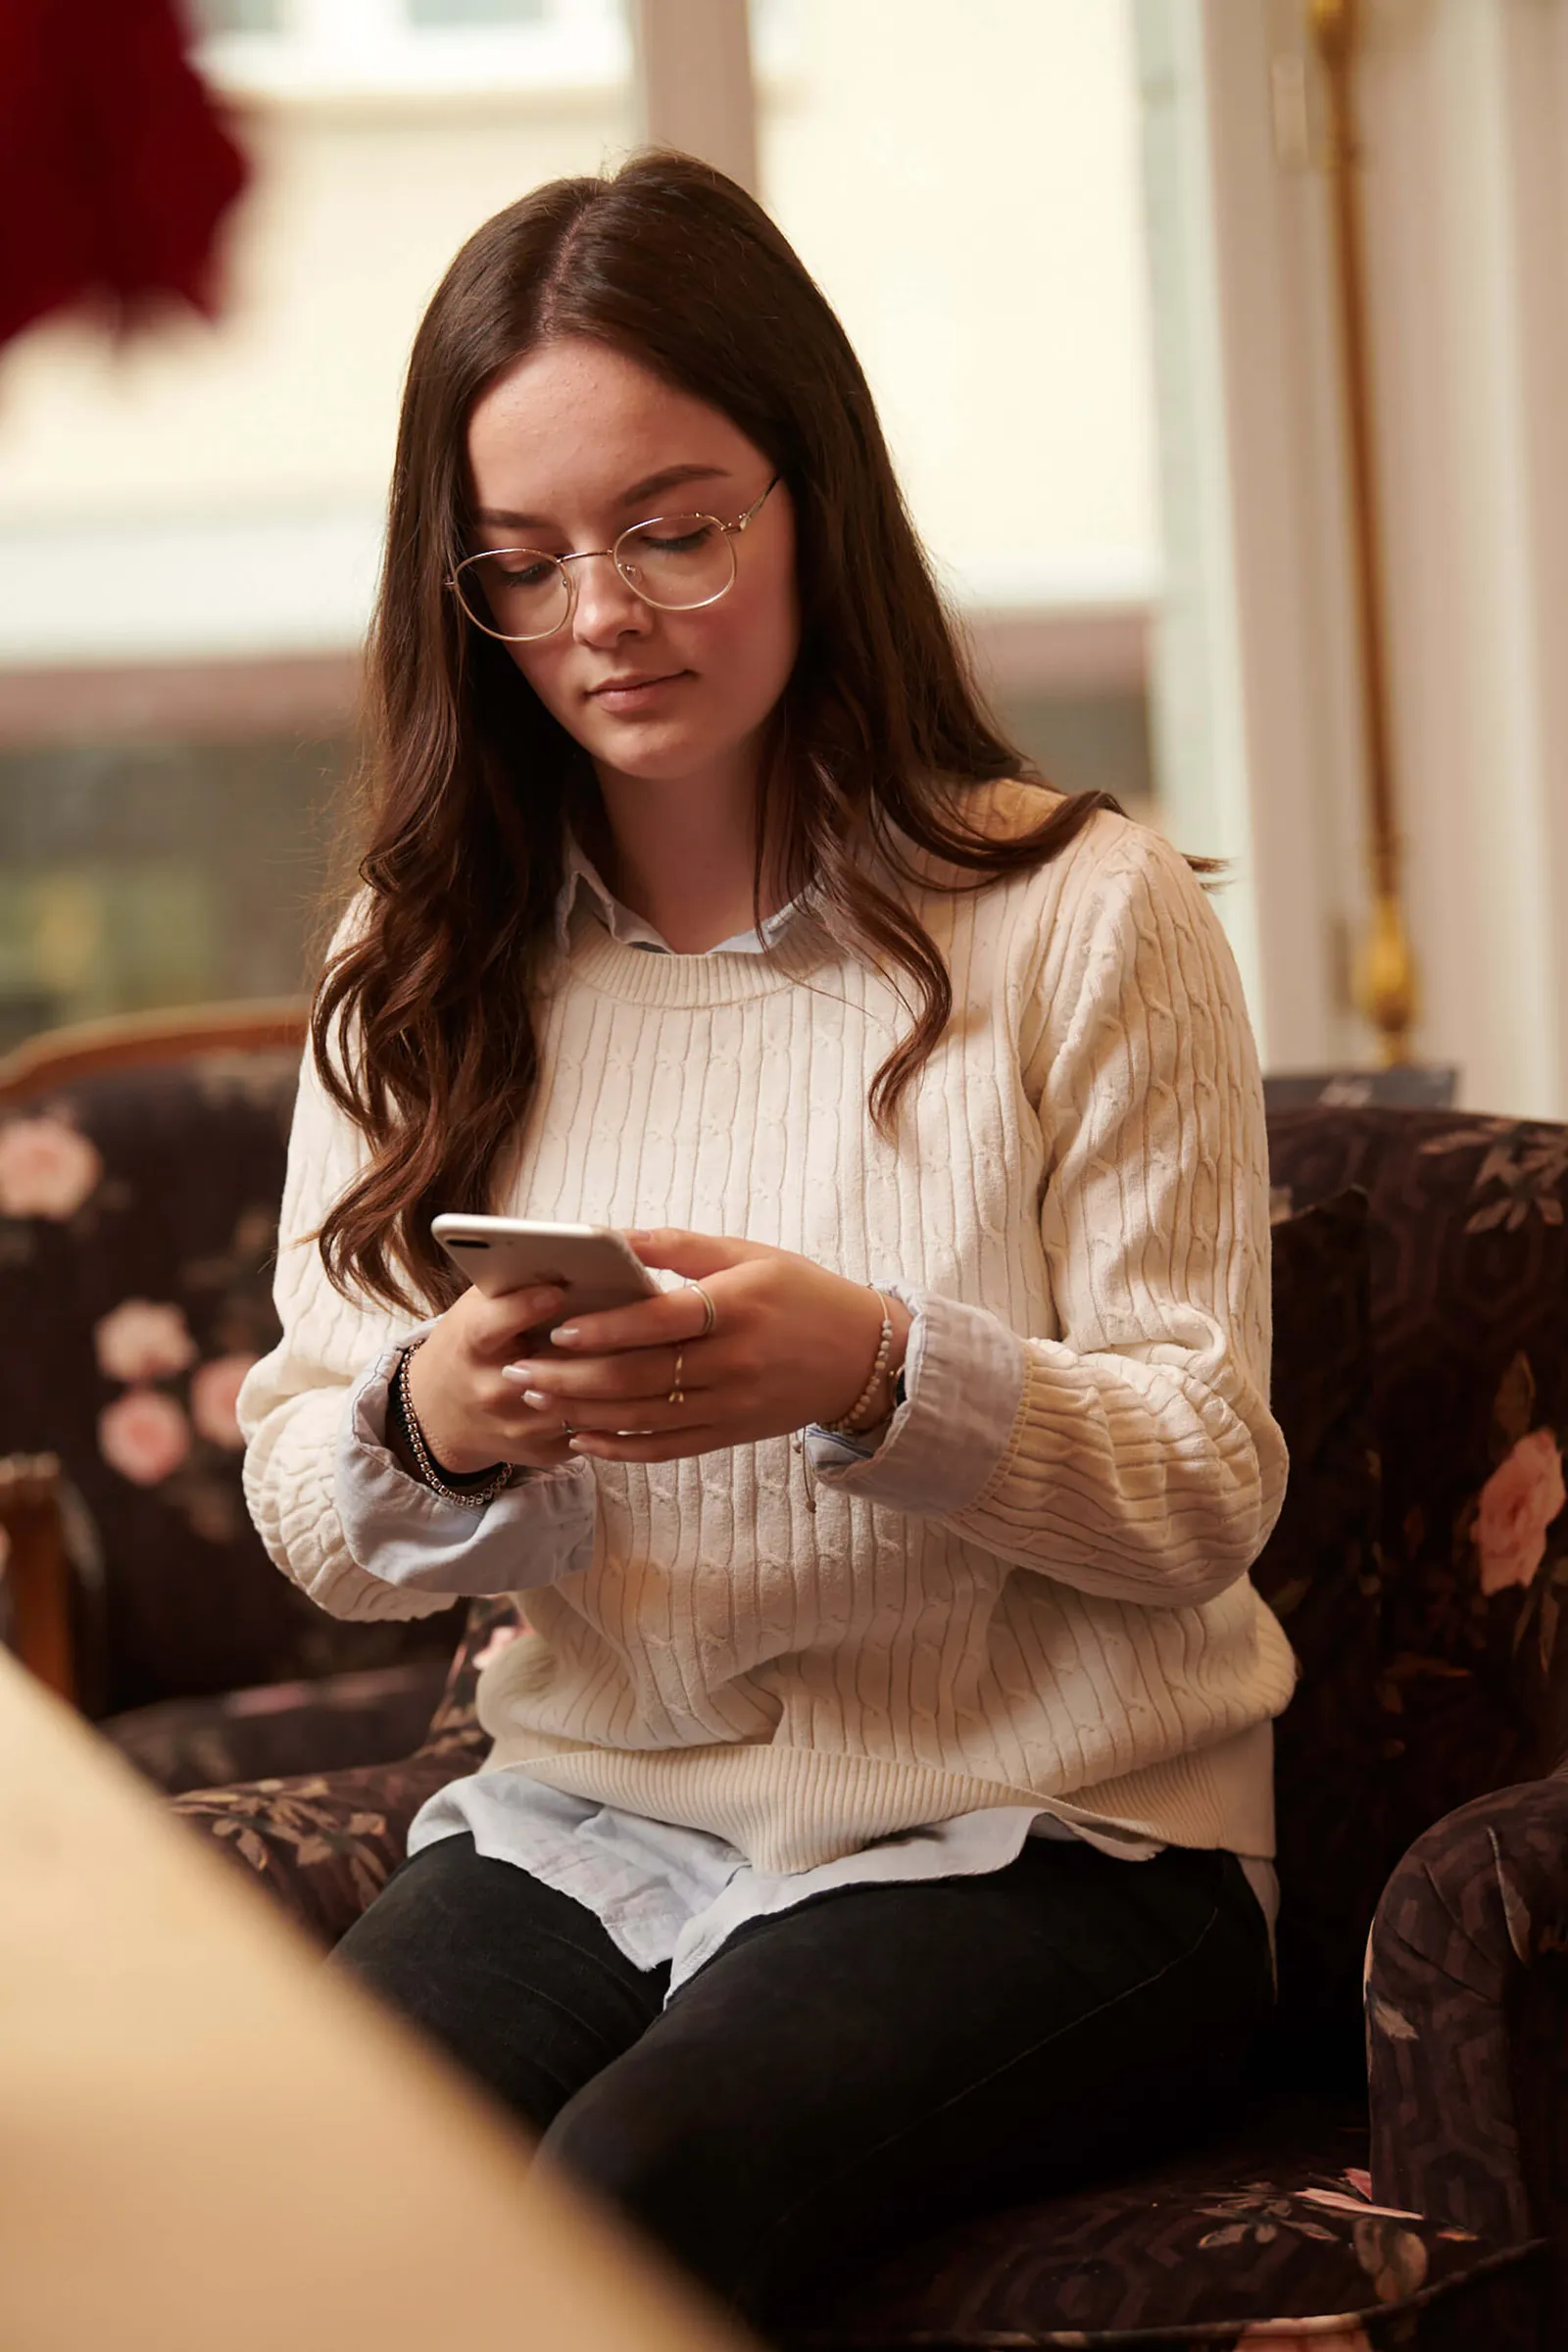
x: 790, y: 1343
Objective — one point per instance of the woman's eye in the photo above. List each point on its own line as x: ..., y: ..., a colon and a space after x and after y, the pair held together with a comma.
x: 683, y: 543
x: 522, y: 575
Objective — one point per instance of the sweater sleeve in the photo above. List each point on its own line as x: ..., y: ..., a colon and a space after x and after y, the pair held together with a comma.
x: 1135, y: 1455
x: 331, y: 1506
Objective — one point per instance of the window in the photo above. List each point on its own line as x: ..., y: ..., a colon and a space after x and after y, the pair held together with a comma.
x: 170, y: 744
x: 276, y: 15
x: 237, y: 16
x: 475, y: 11
x: 306, y: 49
x: 138, y: 874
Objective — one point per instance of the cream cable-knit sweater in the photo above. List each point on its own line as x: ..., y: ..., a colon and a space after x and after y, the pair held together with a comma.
x: 1077, y: 1190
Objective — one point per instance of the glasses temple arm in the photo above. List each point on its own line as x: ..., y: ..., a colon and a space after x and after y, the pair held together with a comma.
x: 757, y: 508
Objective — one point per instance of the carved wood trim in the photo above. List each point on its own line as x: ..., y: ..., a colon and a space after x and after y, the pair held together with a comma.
x: 37, y: 1571
x: 59, y: 1056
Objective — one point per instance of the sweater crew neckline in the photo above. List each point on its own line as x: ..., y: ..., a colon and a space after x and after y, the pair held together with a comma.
x: 636, y: 975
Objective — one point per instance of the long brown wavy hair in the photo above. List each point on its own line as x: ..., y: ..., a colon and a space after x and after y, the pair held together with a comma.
x: 422, y: 1028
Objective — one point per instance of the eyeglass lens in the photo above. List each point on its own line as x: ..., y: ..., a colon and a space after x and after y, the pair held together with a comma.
x: 676, y: 562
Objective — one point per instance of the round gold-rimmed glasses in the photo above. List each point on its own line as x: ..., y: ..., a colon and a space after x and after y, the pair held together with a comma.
x: 675, y: 563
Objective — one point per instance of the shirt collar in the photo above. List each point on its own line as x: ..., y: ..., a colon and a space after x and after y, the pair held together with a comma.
x: 584, y: 880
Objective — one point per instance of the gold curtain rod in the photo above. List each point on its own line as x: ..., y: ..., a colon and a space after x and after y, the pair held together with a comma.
x: 1386, y: 974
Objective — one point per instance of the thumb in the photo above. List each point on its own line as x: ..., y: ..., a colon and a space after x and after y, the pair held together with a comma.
x: 692, y: 1255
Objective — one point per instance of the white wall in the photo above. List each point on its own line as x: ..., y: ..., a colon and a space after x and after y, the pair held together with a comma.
x: 1468, y: 249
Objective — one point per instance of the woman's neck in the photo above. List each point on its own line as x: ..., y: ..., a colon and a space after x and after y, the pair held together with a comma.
x: 683, y: 857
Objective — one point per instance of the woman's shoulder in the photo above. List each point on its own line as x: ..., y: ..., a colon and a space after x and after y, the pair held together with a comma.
x: 1006, y: 810
x: 1109, y: 855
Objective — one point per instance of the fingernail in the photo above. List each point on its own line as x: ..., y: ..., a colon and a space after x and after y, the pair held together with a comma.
x: 536, y: 1398
x: 566, y: 1336
x: 578, y: 1446
x: 519, y: 1375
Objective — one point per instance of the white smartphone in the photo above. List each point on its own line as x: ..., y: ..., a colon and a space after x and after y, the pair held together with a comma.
x: 595, y: 1265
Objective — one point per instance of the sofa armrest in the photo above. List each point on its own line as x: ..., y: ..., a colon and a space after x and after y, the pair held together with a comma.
x: 1467, y: 2020
x: 324, y: 1844
x: 336, y: 1724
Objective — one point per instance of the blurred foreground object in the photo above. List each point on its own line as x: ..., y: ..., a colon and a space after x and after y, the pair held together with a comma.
x: 115, y: 169
x: 207, y: 2140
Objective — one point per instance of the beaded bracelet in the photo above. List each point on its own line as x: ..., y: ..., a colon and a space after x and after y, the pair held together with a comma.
x: 849, y: 1426
x: 472, y: 1498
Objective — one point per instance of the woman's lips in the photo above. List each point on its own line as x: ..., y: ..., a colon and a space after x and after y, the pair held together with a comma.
x: 637, y: 694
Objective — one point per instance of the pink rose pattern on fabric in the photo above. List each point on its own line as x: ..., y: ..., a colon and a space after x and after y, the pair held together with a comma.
x: 46, y: 1169
x: 144, y: 1436
x: 1516, y: 1506
x: 214, y: 1396
x: 142, y: 1339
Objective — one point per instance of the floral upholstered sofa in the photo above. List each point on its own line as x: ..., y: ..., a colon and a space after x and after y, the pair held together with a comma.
x: 140, y: 1174
x: 1421, y: 1568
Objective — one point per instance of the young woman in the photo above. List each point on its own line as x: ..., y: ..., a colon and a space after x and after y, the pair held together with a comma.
x: 878, y: 1814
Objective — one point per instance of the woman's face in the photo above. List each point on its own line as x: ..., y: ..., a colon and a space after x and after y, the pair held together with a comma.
x: 566, y: 451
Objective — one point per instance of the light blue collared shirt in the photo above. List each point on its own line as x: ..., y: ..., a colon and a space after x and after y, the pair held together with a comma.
x: 629, y: 930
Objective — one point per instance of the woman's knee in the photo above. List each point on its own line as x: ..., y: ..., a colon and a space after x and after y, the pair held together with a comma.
x: 646, y: 2142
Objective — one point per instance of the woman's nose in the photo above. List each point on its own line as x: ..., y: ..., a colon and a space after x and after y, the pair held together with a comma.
x: 605, y: 607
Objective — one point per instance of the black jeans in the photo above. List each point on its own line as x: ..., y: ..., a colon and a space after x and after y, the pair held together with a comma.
x: 851, y: 2072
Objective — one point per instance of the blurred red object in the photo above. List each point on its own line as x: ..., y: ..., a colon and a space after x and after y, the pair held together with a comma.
x: 115, y: 169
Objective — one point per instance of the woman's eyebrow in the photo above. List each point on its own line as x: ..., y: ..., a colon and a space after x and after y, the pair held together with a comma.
x: 650, y: 486
x: 654, y: 483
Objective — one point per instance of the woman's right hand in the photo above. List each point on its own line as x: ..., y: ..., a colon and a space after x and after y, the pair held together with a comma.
x: 469, y: 1416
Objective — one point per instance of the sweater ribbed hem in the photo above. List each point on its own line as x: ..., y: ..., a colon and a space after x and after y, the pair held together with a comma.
x: 789, y: 1809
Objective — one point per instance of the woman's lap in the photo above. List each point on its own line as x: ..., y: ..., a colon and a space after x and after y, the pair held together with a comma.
x: 844, y: 2073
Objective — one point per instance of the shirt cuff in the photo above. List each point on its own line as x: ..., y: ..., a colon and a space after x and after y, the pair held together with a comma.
x: 396, y: 1529
x: 964, y: 1380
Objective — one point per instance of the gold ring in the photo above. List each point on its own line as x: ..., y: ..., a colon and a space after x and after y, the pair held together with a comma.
x: 709, y: 1310
x: 677, y: 1395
